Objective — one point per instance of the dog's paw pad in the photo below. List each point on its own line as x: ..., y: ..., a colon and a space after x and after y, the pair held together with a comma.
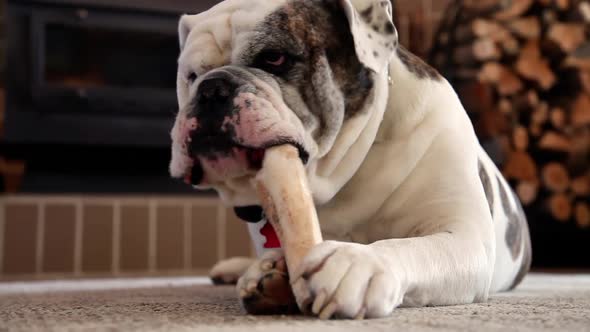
x: 267, y: 290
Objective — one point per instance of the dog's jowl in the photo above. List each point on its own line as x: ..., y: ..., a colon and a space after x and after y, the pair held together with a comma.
x: 415, y: 211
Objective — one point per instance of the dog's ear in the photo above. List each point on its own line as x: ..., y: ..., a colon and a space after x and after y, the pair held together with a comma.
x: 371, y: 25
x: 184, y: 28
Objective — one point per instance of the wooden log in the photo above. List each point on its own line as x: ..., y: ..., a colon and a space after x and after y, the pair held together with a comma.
x: 580, y: 113
x: 558, y: 118
x: 569, y: 36
x: 585, y: 80
x: 497, y: 33
x: 479, y: 5
x: 476, y: 97
x: 505, y: 106
x: 581, y: 186
x: 555, y: 177
x: 584, y: 8
x: 483, y: 49
x: 536, y: 130
x: 526, y: 27
x: 466, y: 73
x: 515, y: 8
x: 549, y: 17
x: 533, y: 66
x: 507, y: 83
x: 560, y: 207
x: 491, y: 124
x: 520, y: 166
x: 520, y: 137
x: 579, y: 157
x: 580, y: 58
x: 562, y: 5
x: 463, y: 34
x: 582, y: 215
x: 553, y: 141
x: 488, y: 28
x: 525, y: 102
x: 527, y: 191
x: 540, y: 114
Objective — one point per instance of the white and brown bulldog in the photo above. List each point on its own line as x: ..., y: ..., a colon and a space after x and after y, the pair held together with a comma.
x: 415, y: 211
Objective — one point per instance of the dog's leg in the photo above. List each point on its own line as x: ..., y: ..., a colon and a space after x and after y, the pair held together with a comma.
x: 350, y: 280
x: 228, y: 271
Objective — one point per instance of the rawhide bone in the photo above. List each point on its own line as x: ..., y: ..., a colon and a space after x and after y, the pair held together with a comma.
x: 285, y: 196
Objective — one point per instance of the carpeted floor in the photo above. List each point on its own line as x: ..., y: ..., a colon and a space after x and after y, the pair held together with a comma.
x: 543, y: 303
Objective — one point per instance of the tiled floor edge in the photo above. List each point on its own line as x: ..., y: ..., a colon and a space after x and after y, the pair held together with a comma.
x: 130, y: 199
x: 83, y: 275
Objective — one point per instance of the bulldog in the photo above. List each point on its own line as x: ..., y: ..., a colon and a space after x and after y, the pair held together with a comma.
x: 414, y: 211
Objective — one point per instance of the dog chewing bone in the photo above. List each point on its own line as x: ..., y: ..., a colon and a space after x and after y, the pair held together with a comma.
x: 288, y: 205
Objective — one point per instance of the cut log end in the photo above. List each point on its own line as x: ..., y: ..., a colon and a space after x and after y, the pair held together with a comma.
x: 527, y: 191
x: 521, y: 166
x: 583, y: 215
x: 560, y: 207
x: 556, y: 177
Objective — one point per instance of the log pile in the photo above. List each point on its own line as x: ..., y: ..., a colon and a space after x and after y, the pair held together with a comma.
x: 522, y: 69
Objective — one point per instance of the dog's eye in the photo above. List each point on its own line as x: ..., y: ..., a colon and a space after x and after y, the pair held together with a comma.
x: 274, y: 62
x: 192, y: 77
x: 275, y: 59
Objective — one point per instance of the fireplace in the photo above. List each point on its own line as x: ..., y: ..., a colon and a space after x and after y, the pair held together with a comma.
x: 91, y: 92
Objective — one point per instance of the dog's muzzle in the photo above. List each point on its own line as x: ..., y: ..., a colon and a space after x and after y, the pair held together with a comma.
x: 225, y: 131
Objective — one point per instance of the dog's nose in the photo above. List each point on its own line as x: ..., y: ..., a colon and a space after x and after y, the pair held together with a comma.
x: 214, y: 90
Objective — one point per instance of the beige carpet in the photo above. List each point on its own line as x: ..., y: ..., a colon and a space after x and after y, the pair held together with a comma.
x: 542, y: 303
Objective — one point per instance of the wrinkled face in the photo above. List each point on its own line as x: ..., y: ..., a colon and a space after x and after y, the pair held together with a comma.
x: 259, y: 73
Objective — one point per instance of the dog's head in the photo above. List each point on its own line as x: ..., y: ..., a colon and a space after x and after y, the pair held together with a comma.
x: 258, y: 73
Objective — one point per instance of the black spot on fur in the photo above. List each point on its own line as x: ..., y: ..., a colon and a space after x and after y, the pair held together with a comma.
x: 197, y: 174
x: 376, y: 54
x: 416, y: 66
x: 487, y: 186
x: 252, y: 213
x: 370, y: 36
x: 367, y: 13
x: 527, y: 258
x: 513, y: 234
x: 321, y: 29
x: 517, y: 235
x: 389, y: 28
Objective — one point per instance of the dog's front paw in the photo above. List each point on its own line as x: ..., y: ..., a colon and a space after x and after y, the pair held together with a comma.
x: 227, y: 272
x: 265, y: 289
x: 346, y: 280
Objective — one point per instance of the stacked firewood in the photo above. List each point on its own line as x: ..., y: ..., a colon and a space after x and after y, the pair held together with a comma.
x: 522, y: 69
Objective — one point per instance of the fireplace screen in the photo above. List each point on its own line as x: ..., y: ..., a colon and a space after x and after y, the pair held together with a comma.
x: 103, y: 62
x: 90, y: 57
x: 91, y: 93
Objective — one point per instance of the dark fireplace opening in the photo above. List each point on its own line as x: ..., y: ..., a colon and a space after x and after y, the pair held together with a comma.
x: 89, y: 57
x: 91, y: 93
